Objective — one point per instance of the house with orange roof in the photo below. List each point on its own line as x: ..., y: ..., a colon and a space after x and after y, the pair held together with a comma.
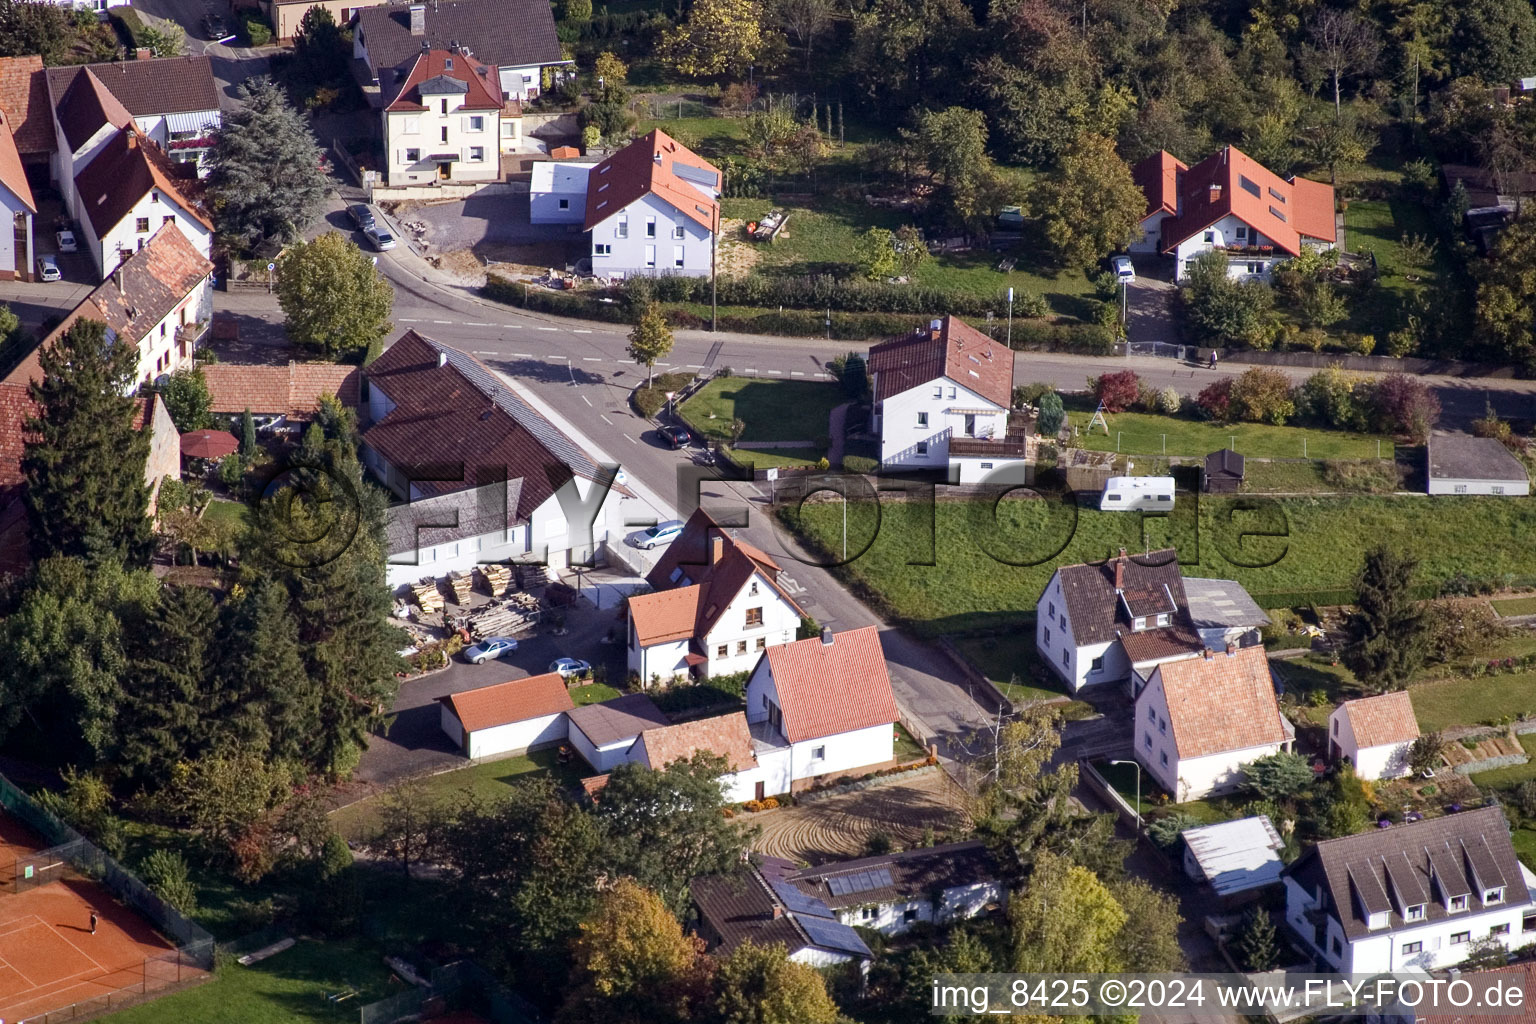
x: 652, y: 208
x: 1374, y: 734
x: 726, y: 736
x: 16, y: 256
x: 508, y: 718
x: 1200, y: 720
x: 820, y: 709
x: 1232, y: 204
x: 717, y: 604
x: 942, y: 400
x: 442, y: 120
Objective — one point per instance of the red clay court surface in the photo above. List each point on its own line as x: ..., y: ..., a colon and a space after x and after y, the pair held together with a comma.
x: 48, y: 957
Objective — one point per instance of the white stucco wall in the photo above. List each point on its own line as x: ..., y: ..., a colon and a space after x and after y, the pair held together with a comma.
x: 957, y: 903
x: 1151, y: 234
x: 663, y: 660
x: 1504, y: 487
x: 843, y: 751
x: 1225, y: 233
x: 780, y: 621
x: 602, y: 759
x: 994, y: 470
x: 512, y: 738
x: 631, y: 251
x: 420, y: 134
x: 1055, y: 644
x: 901, y: 429
x: 1186, y: 778
x: 554, y: 184
x: 126, y: 237
x: 1384, y: 761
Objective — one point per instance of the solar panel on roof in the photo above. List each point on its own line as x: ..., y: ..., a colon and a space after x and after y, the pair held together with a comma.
x: 860, y: 881
x: 798, y: 902
x: 833, y: 935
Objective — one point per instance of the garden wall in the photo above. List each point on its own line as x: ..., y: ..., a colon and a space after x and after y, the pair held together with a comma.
x: 1373, y: 364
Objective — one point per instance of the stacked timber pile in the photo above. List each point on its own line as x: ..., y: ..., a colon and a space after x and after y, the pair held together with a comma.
x: 461, y: 584
x: 504, y: 618
x: 427, y: 595
x: 531, y: 577
x: 498, y: 578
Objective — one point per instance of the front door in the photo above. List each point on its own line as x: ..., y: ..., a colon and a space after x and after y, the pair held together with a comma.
x: 761, y: 792
x: 444, y: 171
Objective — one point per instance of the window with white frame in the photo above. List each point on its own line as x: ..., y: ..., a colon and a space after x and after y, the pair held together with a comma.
x: 1047, y: 634
x: 1457, y: 938
x: 602, y: 249
x: 818, y: 753
x: 477, y: 123
x: 621, y: 230
x: 476, y: 154
x: 678, y: 231
x: 412, y: 156
x: 650, y: 255
x: 677, y: 256
x: 565, y: 204
x: 1412, y: 947
x: 1458, y: 903
x: 1495, y: 895
x: 922, y: 419
x: 922, y: 447
x: 650, y: 227
x: 1097, y: 664
x: 410, y: 125
x: 1414, y: 913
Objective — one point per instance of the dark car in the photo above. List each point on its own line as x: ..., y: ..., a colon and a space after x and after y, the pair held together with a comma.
x: 214, y: 27
x: 361, y: 216
x: 677, y: 437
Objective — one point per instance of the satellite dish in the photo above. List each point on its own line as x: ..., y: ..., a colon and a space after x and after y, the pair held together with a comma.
x: 621, y: 477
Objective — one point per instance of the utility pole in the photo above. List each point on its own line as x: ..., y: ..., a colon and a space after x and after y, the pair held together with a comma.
x: 1010, y: 318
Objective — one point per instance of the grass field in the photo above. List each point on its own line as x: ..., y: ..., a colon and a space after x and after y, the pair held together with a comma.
x: 1380, y: 226
x: 771, y: 458
x: 773, y: 410
x: 592, y: 693
x: 489, y: 780
x: 1508, y: 778
x: 1140, y: 433
x: 1449, y: 702
x: 232, y: 511
x: 1524, y: 839
x: 961, y: 566
x: 1515, y: 606
x: 291, y: 986
x: 1007, y: 656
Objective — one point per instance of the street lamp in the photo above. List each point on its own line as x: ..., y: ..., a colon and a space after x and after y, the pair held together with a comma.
x: 1009, y: 342
x: 216, y: 42
x: 1137, y: 765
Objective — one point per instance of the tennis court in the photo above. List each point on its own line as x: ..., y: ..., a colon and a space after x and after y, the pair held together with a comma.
x: 50, y: 961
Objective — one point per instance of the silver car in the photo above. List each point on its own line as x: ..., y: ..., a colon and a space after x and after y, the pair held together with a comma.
x: 379, y: 237
x: 568, y: 667
x: 47, y: 268
x: 490, y: 647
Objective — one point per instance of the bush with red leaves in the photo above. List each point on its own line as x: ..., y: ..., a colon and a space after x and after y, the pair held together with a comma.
x: 1118, y: 391
x: 1215, y: 400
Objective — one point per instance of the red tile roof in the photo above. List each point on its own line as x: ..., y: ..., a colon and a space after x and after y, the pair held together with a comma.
x: 504, y: 703
x: 164, y: 85
x: 830, y: 688
x: 665, y: 616
x: 659, y: 165
x: 716, y: 578
x: 1221, y: 703
x: 450, y: 409
x: 480, y: 83
x: 954, y: 351
x: 1231, y: 182
x: 12, y: 174
x: 291, y: 390
x: 143, y: 290
x: 123, y: 173
x: 15, y: 407
x: 24, y: 100
x: 1158, y: 178
x: 725, y: 735
x: 1160, y: 644
x: 1387, y: 718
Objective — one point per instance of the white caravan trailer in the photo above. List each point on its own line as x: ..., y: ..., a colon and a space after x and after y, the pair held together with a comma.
x: 1137, y: 494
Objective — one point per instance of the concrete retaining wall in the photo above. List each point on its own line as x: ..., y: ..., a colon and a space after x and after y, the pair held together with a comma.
x: 1371, y: 364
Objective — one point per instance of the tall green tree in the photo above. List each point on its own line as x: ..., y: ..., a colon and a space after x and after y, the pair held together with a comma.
x: 264, y: 174
x: 761, y: 985
x: 952, y: 145
x: 187, y: 399
x: 1089, y: 204
x: 1218, y: 309
x: 268, y: 702
x: 1494, y: 40
x: 167, y: 710
x: 1149, y: 942
x: 719, y: 37
x: 1386, y: 631
x: 85, y: 461
x: 633, y: 962
x: 1257, y: 944
x: 247, y: 434
x: 1064, y: 920
x: 333, y: 297
x: 1506, y: 293
x: 650, y: 340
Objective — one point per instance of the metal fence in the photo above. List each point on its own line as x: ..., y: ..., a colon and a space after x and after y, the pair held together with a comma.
x: 156, y: 976
x: 457, y: 986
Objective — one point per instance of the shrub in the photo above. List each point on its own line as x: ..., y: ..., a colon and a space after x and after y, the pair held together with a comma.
x: 1169, y: 401
x: 859, y: 464
x: 1405, y: 405
x: 1167, y: 831
x: 1359, y: 344
x: 1260, y: 394
x: 1029, y: 394
x: 1215, y: 400
x: 1118, y: 391
x: 166, y: 875
x: 1052, y: 414
x: 257, y: 32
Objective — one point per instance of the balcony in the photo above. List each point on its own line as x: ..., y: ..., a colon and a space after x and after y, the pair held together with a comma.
x: 1015, y: 442
x: 1248, y: 252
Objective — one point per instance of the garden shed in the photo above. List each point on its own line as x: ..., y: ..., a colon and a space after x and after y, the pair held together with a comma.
x: 1222, y: 473
x: 1474, y: 465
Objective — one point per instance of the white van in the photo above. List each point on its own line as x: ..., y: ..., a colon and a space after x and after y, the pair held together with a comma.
x: 1137, y: 494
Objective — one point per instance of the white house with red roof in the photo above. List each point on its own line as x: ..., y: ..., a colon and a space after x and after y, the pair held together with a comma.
x: 507, y: 718
x: 1199, y: 720
x: 1375, y: 734
x: 717, y: 605
x: 821, y: 708
x: 1232, y: 204
x: 442, y: 120
x: 16, y: 200
x: 652, y: 208
x: 942, y: 397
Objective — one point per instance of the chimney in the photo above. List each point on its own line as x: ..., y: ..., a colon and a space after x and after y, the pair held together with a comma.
x: 778, y: 911
x: 1215, y: 191
x: 1120, y: 572
x: 1206, y: 654
x: 418, y: 19
x: 1231, y: 648
x: 826, y: 636
x: 143, y: 53
x: 442, y: 359
x: 716, y: 547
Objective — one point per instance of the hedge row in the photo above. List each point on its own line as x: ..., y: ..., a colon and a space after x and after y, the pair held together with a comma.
x: 821, y: 292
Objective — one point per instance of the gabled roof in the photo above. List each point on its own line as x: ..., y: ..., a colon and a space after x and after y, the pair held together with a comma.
x: 622, y: 718
x: 503, y: 33
x: 1096, y: 605
x: 949, y: 349
x: 165, y: 85
x: 725, y: 735
x: 707, y: 555
x: 445, y: 72
x: 1454, y: 855
x: 826, y: 688
x: 1164, y: 644
x: 758, y: 904
x: 1158, y: 178
x: 1224, y: 463
x: 1231, y: 182
x: 82, y: 105
x: 1376, y: 721
x: 515, y: 701
x: 665, y: 616
x: 24, y: 101
x: 1235, y: 856
x: 13, y: 176
x: 287, y: 390
x: 450, y: 409
x: 1221, y: 702
x: 654, y: 164
x: 141, y: 292
x: 912, y: 874
x: 122, y: 173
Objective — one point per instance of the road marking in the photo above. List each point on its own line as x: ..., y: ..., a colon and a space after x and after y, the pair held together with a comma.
x: 442, y: 321
x: 483, y: 352
x: 695, y: 366
x: 554, y: 356
x: 473, y: 323
x: 584, y: 398
x: 591, y: 359
x: 549, y: 328
x: 576, y: 331
x: 407, y: 320
x: 605, y: 419
x: 750, y: 369
x: 630, y: 440
x: 796, y: 373
x: 523, y: 355
x: 778, y: 372
x: 513, y: 327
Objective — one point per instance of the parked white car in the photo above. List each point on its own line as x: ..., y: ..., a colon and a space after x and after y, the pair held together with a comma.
x: 66, y: 240
x: 568, y: 667
x: 1124, y: 272
x: 47, y: 269
x: 379, y: 237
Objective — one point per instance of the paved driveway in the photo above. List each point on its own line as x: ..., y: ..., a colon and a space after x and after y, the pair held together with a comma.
x: 1149, y: 303
x: 493, y: 223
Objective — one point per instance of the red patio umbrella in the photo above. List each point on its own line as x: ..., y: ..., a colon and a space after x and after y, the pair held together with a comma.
x: 208, y: 444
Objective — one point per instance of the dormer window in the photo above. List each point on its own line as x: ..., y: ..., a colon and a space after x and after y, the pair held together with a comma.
x: 1138, y: 623
x: 1414, y: 913
x: 1162, y: 620
x: 1493, y: 895
x: 1456, y: 903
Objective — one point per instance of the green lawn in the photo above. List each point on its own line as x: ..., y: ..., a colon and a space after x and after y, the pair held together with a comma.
x: 291, y: 986
x: 233, y: 511
x: 773, y: 410
x: 1450, y: 702
x: 1515, y: 606
x: 1009, y: 656
x: 488, y: 779
x: 962, y: 566
x: 651, y: 400
x: 1380, y: 226
x: 1141, y: 433
x: 592, y: 693
x: 1509, y: 778
x: 1524, y: 839
x: 907, y: 748
x: 773, y: 458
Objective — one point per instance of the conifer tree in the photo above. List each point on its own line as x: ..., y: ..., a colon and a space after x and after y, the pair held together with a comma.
x: 268, y: 702
x: 264, y: 170
x: 1386, y: 632
x: 167, y: 707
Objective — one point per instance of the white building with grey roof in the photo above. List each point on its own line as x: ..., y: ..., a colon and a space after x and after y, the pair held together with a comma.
x: 1234, y: 858
x: 1459, y: 464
